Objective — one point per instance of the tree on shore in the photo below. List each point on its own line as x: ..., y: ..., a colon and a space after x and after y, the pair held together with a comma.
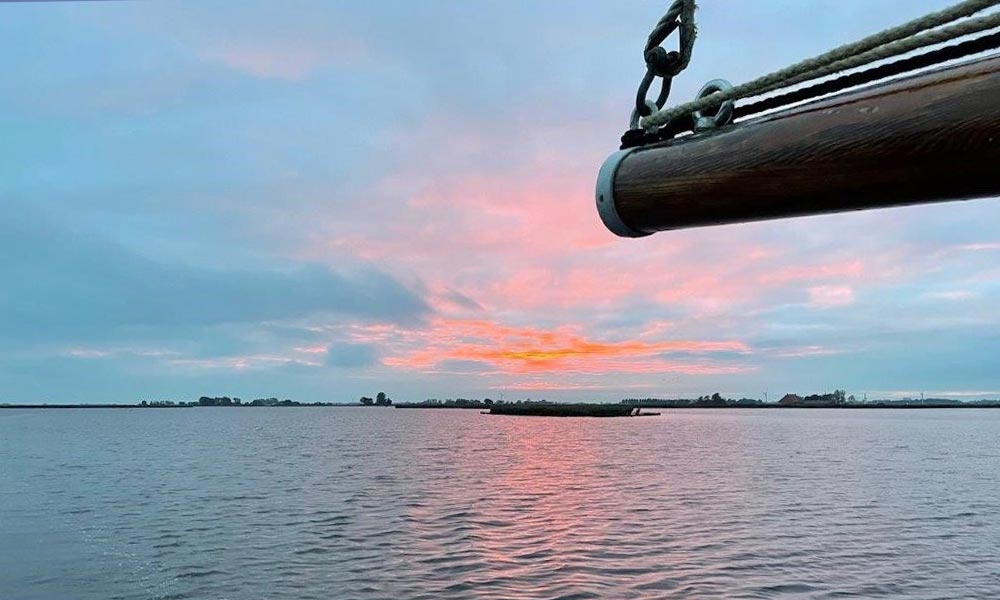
x: 382, y: 400
x: 366, y: 401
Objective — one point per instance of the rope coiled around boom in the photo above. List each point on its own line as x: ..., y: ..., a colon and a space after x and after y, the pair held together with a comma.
x: 907, y: 65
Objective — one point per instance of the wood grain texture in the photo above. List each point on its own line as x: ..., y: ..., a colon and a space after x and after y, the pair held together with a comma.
x: 931, y: 137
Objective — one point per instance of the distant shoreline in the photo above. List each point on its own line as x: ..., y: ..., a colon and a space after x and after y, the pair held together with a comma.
x: 868, y: 406
x: 160, y: 407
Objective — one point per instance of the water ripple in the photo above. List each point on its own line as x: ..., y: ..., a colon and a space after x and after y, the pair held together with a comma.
x: 364, y: 504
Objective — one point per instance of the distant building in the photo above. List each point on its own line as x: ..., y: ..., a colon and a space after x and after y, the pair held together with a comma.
x: 790, y: 400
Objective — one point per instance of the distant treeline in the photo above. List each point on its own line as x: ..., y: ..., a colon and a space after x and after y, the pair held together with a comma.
x: 380, y: 400
x: 449, y: 403
x: 713, y: 400
x: 227, y: 401
x: 467, y: 403
x: 835, y: 399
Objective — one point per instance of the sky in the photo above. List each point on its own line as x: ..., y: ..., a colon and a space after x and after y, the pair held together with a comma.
x: 322, y: 200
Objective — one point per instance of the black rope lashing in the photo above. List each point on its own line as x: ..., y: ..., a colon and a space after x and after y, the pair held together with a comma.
x: 900, y: 67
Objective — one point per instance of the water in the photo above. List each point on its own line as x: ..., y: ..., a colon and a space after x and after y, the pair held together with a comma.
x: 378, y: 503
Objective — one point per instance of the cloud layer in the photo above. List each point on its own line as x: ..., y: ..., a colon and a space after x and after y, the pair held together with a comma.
x: 249, y: 199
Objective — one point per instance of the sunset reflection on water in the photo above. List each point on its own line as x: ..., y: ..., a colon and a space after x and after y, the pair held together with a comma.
x: 382, y: 503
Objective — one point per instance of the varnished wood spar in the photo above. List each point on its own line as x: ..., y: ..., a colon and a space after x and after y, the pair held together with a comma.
x: 927, y: 138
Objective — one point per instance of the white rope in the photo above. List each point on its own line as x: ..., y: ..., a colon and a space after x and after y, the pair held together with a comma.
x: 687, y: 46
x: 929, y: 38
x: 886, y: 44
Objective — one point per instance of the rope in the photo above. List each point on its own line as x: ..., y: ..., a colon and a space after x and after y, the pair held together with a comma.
x: 886, y: 44
x: 663, y: 64
x: 689, y: 32
x: 895, y: 49
x: 684, y: 11
x: 907, y: 65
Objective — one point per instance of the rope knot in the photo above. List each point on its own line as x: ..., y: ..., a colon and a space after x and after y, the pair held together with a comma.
x: 663, y: 63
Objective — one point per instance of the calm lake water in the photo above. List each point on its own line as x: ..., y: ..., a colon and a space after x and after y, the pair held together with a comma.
x: 382, y: 503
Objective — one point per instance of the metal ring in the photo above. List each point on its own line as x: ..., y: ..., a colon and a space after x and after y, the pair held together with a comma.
x: 640, y: 95
x: 724, y: 115
x: 605, y: 196
x: 633, y: 122
x: 659, y: 62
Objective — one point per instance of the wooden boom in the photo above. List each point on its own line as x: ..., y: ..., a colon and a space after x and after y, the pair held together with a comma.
x: 929, y: 137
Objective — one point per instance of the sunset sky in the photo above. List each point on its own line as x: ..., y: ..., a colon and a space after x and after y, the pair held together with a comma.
x: 319, y: 200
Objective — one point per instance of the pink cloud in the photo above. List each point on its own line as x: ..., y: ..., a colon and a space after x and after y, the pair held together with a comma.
x: 806, y: 351
x: 831, y: 296
x: 953, y: 295
x: 88, y: 353
x: 551, y: 385
x: 310, y: 349
x: 286, y: 63
x: 291, y: 60
x: 984, y: 247
x: 241, y: 363
x: 495, y: 232
x: 838, y: 270
x: 91, y: 352
x: 519, y: 350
